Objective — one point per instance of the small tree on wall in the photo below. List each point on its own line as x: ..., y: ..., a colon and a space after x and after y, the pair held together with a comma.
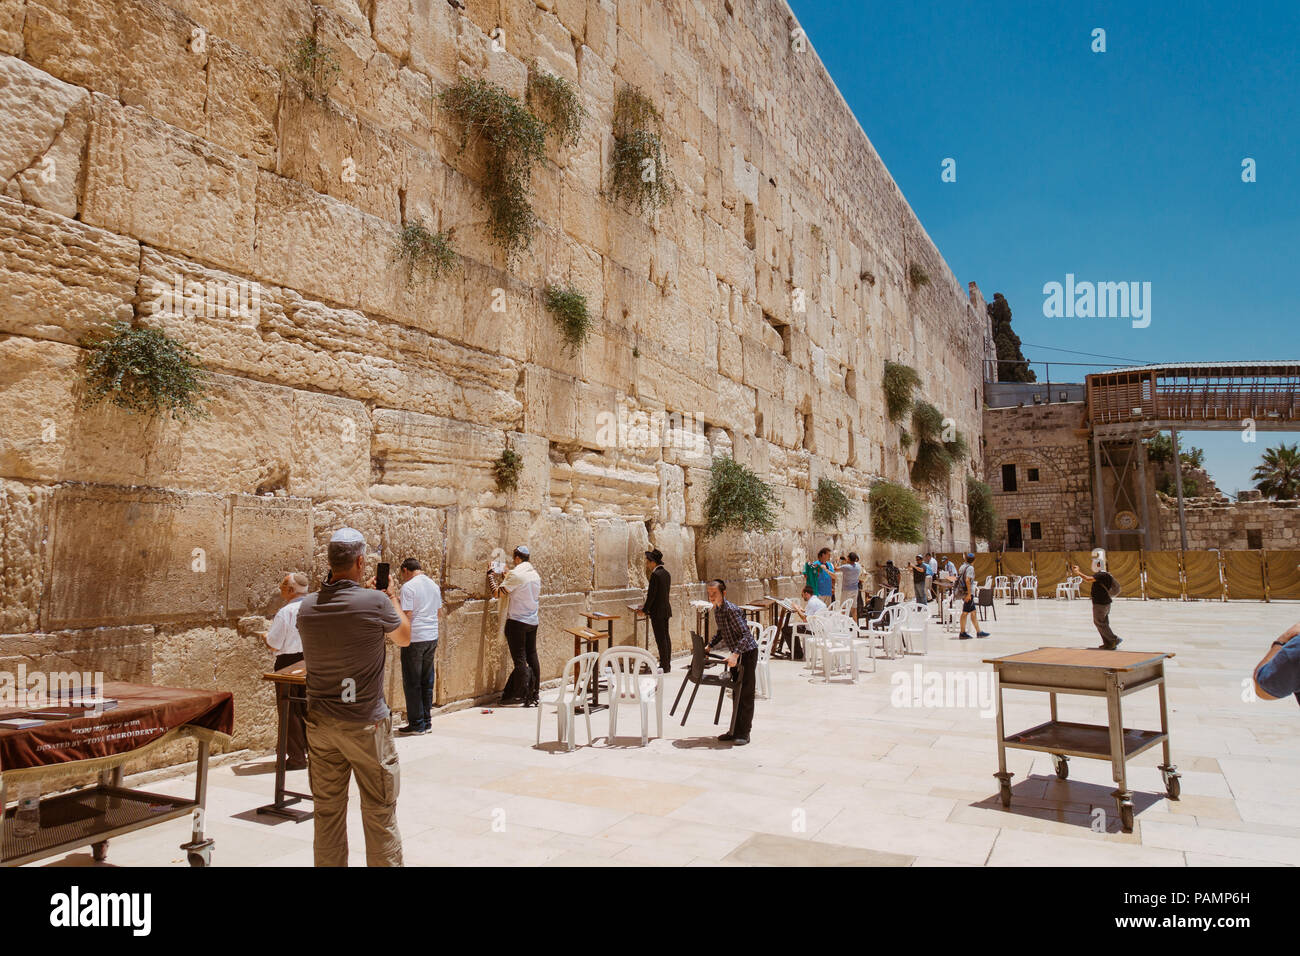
x: 830, y: 504
x: 640, y: 175
x: 979, y: 506
x: 899, y: 382
x: 939, y: 447
x: 142, y: 371
x: 738, y: 499
x: 897, y: 514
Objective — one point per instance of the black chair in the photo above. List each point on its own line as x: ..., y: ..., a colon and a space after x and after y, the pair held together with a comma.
x: 986, y: 600
x: 698, y: 674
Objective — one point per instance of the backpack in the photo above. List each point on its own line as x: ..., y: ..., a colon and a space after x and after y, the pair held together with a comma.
x: 1113, y: 588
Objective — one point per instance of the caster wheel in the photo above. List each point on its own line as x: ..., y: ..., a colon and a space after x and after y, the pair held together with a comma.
x: 1062, y: 765
x: 99, y: 851
x: 1172, y: 787
x: 1005, y: 793
x: 200, y: 858
x: 1126, y: 817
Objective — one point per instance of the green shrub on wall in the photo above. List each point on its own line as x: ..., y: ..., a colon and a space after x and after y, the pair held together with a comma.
x: 899, y: 382
x: 315, y: 64
x: 939, y: 446
x: 568, y: 307
x: 830, y: 504
x: 424, y: 252
x: 142, y: 371
x: 738, y: 499
x: 513, y: 141
x: 897, y: 514
x: 640, y: 175
x: 556, y: 101
x: 506, y: 470
x: 979, y: 505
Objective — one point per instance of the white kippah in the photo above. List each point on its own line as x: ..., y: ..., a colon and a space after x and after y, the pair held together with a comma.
x: 347, y: 536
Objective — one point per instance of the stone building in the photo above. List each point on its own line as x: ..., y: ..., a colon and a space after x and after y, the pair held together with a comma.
x: 163, y: 164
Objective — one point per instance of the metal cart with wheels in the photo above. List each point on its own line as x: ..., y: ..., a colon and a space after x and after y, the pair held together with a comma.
x: 104, y: 740
x: 1092, y: 673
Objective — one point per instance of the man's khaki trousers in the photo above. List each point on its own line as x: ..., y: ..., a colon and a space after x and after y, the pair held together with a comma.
x: 338, y: 749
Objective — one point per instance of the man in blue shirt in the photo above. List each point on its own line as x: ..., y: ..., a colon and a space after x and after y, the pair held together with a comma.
x: 734, y: 634
x: 1278, y: 674
x: 825, y: 583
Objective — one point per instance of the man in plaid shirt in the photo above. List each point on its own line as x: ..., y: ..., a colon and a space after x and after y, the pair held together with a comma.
x: 735, y: 635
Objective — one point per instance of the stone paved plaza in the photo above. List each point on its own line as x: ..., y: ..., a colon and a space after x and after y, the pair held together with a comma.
x: 836, y: 774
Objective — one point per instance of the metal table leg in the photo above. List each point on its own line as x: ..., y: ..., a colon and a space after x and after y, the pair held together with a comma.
x: 1167, y: 769
x: 1004, y: 778
x: 199, y: 849
x: 1119, y: 770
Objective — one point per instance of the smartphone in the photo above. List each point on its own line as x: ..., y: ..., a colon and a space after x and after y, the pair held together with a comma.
x: 381, y: 576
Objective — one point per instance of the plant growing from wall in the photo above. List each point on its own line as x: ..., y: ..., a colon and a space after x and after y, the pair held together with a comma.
x: 738, y: 499
x: 513, y: 140
x: 939, y: 446
x: 830, y: 504
x: 979, y: 506
x: 430, y: 253
x: 568, y: 307
x: 556, y: 101
x: 897, y: 514
x: 917, y: 275
x: 315, y: 64
x: 640, y: 175
x: 899, y: 382
x: 904, y: 439
x: 506, y: 470
x: 142, y: 371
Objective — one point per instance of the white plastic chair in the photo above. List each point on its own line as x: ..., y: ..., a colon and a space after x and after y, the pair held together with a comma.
x: 1002, y: 587
x: 622, y: 667
x: 573, y: 690
x: 885, y: 626
x: 914, y: 628
x: 1028, y: 585
x: 1069, y: 588
x: 763, y: 677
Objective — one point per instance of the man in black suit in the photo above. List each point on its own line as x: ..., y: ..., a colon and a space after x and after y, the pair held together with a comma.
x: 657, y: 606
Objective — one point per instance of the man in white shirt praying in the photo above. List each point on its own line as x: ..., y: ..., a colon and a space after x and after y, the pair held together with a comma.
x: 282, y: 637
x: 520, y: 594
x: 422, y: 599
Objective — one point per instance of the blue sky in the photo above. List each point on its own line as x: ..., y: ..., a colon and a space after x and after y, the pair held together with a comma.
x: 1116, y: 166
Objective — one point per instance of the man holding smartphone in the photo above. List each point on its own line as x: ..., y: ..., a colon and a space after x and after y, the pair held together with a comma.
x: 344, y: 627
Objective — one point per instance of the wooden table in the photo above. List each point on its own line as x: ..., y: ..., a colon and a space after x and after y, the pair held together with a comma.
x: 586, y: 640
x: 638, y: 616
x: 596, y: 617
x: 292, y: 676
x: 767, y: 604
x: 751, y: 611
x: 1092, y: 673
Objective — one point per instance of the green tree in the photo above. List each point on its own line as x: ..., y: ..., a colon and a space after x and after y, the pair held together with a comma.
x: 1278, y: 475
x: 1012, y: 364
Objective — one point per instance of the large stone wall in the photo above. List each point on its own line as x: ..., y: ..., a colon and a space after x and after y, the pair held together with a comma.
x: 1219, y: 523
x: 151, y: 145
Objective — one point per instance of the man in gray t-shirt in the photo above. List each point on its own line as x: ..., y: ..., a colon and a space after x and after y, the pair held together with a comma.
x: 344, y: 628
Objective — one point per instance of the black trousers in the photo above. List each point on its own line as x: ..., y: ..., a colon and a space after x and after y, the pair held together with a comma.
x: 296, y: 745
x: 417, y: 682
x: 663, y: 642
x: 525, y: 683
x: 742, y: 709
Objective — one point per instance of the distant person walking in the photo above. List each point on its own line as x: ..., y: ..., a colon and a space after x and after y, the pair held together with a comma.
x: 920, y: 571
x: 349, y: 728
x: 521, y: 593
x: 422, y: 598
x: 657, y: 607
x: 1104, y: 589
x: 967, y: 592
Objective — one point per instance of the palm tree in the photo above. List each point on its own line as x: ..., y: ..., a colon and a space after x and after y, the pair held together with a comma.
x: 1279, y: 474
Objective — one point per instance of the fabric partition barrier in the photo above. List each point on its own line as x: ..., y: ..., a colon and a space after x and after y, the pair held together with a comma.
x: 1017, y: 562
x: 985, y: 566
x: 1282, y: 575
x: 1124, y: 566
x: 1201, y: 575
x: 1244, y: 573
x: 1163, y: 580
x: 1051, y: 570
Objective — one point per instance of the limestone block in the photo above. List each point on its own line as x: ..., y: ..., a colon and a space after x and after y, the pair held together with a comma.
x: 11, y: 26
x: 242, y: 103
x: 535, y: 475
x: 697, y: 493
x: 152, y: 182
x: 168, y: 552
x: 58, y: 277
x: 133, y: 51
x: 561, y: 546
x: 611, y: 550
x: 473, y: 659
x: 435, y: 461
x: 43, y: 129
x: 330, y: 449
x: 118, y: 653
x: 638, y: 543
x: 268, y: 538
x: 734, y: 555
x: 374, y: 85
x: 220, y: 658
x: 672, y: 494
x: 24, y: 516
x: 472, y: 535
x: 605, y: 482
x: 550, y: 404
x: 267, y: 30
